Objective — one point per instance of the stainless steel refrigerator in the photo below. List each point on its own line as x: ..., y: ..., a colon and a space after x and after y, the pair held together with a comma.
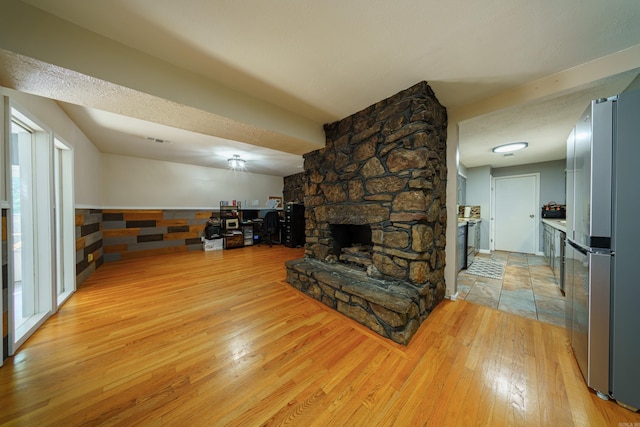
x: 602, y: 269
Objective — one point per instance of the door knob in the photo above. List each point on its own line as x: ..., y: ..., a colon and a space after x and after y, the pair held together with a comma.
x: 531, y: 216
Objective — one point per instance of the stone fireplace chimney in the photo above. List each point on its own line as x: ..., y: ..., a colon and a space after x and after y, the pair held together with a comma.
x: 376, y: 216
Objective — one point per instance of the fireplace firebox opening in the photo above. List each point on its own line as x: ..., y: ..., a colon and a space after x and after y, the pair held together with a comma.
x: 352, y: 244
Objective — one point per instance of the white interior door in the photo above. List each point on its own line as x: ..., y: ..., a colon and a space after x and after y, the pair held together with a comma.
x: 515, y: 213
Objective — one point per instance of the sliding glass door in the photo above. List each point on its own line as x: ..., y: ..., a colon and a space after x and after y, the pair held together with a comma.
x: 40, y: 226
x: 31, y: 303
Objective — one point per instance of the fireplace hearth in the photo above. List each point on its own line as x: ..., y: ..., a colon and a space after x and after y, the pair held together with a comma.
x: 376, y: 216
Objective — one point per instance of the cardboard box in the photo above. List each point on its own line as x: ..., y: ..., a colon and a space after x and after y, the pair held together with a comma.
x: 212, y: 245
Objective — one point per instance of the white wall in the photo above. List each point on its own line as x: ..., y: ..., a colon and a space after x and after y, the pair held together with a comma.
x: 107, y: 180
x: 87, y: 164
x: 130, y: 182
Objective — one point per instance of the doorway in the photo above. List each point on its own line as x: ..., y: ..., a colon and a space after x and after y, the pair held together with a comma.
x: 64, y: 221
x: 515, y: 213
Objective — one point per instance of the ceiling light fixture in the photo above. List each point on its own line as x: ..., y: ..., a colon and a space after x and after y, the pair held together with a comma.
x: 507, y: 148
x: 236, y: 162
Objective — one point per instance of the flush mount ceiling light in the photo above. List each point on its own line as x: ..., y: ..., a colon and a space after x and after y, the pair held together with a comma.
x: 507, y: 148
x: 236, y: 162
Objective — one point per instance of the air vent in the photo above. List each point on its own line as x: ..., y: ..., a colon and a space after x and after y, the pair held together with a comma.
x: 157, y: 140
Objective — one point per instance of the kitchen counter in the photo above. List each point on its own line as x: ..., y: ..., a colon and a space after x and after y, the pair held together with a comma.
x: 558, y: 224
x: 463, y: 221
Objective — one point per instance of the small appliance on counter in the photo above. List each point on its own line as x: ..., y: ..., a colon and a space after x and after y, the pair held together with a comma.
x: 552, y: 210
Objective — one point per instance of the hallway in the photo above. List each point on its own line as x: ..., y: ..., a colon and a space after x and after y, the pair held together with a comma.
x: 527, y: 288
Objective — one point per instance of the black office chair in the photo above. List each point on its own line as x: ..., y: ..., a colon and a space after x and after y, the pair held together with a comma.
x: 270, y: 226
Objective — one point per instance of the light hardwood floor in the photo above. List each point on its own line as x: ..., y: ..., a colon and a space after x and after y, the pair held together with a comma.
x: 218, y: 339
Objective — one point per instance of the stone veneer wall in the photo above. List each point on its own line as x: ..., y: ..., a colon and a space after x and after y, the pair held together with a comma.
x: 137, y: 233
x: 385, y: 167
x: 293, y: 190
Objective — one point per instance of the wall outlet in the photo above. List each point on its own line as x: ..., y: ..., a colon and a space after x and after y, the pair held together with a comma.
x: 90, y: 257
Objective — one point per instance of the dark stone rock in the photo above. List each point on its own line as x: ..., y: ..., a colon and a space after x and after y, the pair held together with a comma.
x: 372, y: 168
x: 387, y: 184
x: 421, y: 238
x: 379, y: 198
x: 293, y: 189
x: 313, y: 201
x: 315, y: 177
x: 403, y: 132
x: 388, y: 267
x: 396, y: 239
x: 389, y: 317
x: 356, y: 190
x: 334, y: 193
x: 352, y: 214
x: 421, y: 183
x: 393, y: 124
x: 341, y: 144
x: 365, y: 151
x: 342, y: 160
x: 401, y: 159
x: 363, y: 123
x: 403, y: 336
x: 409, y: 201
x: 418, y: 272
x: 365, y: 134
x: 393, y: 109
x: 408, y: 217
x: 361, y: 316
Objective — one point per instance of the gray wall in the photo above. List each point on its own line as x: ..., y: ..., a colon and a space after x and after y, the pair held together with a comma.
x: 552, y: 188
x: 634, y: 85
x: 552, y: 180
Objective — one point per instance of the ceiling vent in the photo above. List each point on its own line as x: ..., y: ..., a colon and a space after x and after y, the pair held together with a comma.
x: 157, y: 140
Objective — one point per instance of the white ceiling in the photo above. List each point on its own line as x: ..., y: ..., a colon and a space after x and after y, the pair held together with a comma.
x: 320, y: 61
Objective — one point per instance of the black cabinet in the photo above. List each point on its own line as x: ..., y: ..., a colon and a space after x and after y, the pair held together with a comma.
x: 293, y: 227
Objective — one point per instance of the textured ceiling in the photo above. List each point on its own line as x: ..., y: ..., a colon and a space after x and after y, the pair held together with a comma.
x: 322, y: 61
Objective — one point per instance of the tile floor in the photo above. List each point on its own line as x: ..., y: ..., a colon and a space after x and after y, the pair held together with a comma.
x: 528, y: 288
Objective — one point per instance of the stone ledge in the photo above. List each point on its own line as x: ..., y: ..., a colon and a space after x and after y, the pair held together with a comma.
x: 391, y: 308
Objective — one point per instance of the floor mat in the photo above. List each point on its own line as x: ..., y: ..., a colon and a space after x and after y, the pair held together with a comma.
x: 486, y: 268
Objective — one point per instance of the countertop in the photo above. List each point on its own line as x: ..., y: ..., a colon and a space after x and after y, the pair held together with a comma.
x: 558, y: 224
x: 463, y: 221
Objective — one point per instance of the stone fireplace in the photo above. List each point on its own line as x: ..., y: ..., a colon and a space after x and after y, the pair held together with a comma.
x: 376, y: 216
